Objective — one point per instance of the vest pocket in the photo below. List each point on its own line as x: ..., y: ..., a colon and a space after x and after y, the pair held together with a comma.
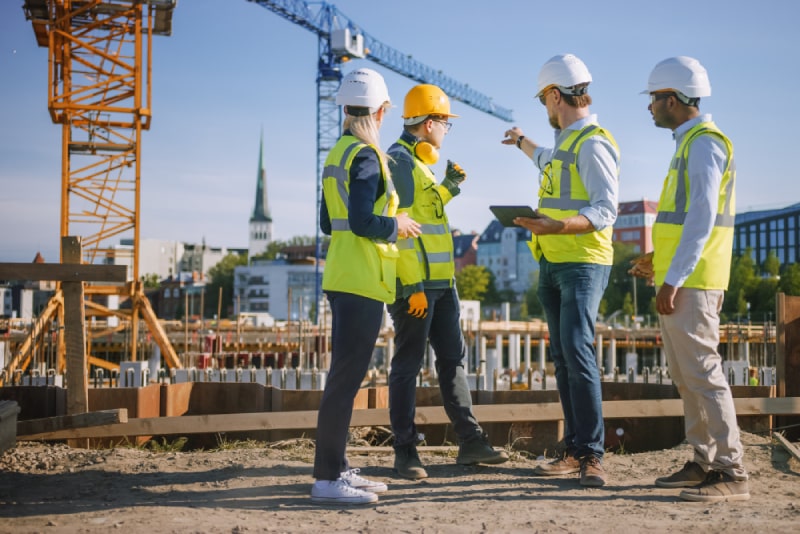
x: 388, y: 255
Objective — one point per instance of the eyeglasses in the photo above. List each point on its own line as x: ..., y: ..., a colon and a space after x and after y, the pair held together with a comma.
x: 543, y: 96
x: 655, y: 97
x: 447, y: 125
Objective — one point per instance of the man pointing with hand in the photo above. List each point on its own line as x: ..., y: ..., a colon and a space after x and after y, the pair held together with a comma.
x: 427, y: 302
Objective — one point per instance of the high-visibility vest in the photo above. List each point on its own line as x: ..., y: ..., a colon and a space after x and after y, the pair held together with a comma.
x: 714, y: 266
x: 356, y: 264
x: 428, y: 257
x: 562, y: 195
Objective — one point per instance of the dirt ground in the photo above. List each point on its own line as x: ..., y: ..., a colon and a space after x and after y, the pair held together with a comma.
x: 53, y: 488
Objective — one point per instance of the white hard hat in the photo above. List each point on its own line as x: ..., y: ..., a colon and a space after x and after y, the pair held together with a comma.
x: 681, y: 73
x: 565, y: 71
x: 363, y: 88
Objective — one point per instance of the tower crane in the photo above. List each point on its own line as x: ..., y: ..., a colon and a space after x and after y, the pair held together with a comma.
x: 340, y: 40
x: 99, y: 93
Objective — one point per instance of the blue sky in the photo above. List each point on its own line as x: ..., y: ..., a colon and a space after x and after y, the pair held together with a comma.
x: 232, y: 67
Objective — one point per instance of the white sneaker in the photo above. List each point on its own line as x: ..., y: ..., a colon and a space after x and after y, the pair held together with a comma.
x: 339, y: 492
x: 358, y: 482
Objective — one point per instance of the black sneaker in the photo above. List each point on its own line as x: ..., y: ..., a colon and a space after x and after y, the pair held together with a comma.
x: 407, y: 463
x: 477, y: 450
x: 690, y: 475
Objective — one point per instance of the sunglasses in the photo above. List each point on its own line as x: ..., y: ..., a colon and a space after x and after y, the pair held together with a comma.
x: 655, y: 97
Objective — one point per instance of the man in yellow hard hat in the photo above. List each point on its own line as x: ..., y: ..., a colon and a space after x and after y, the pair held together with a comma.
x: 691, y: 263
x: 427, y: 305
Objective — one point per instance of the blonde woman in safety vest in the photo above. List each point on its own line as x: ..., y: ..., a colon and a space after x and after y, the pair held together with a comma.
x: 359, y: 212
x: 571, y: 239
x: 691, y: 262
x: 427, y: 305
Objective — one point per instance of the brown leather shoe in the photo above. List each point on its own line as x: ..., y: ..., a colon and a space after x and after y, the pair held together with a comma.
x: 688, y: 477
x: 592, y: 472
x: 718, y: 486
x: 565, y: 465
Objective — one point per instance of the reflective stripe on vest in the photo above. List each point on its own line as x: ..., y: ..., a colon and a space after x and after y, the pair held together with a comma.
x: 561, y: 195
x: 356, y: 264
x: 713, y: 267
x: 434, y: 246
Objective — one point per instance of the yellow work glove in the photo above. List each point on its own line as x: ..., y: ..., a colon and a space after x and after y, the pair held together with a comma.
x: 418, y: 305
x: 453, y: 176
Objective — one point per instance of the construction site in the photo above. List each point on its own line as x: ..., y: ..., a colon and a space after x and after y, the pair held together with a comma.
x: 131, y: 421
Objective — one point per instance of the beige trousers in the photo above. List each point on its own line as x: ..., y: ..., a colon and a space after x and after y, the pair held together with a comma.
x: 691, y: 338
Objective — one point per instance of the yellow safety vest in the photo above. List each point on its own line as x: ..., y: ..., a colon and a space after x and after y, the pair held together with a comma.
x: 562, y: 195
x: 429, y: 257
x: 714, y: 266
x: 356, y: 264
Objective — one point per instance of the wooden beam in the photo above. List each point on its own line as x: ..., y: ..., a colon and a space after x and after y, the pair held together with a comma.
x: 63, y: 422
x: 63, y: 272
x: 497, y: 413
x: 75, y: 332
x: 791, y: 449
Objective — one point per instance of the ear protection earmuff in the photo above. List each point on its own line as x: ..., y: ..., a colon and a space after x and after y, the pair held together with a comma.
x: 426, y: 152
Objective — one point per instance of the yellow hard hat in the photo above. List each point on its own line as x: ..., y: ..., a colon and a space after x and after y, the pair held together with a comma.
x: 426, y: 99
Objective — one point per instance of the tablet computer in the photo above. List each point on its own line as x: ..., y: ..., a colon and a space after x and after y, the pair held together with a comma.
x: 507, y: 214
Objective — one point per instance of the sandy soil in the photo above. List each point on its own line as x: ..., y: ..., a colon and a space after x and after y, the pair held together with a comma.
x: 52, y: 488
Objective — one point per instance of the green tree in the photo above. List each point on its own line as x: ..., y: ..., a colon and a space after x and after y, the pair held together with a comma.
x: 743, y: 282
x: 533, y: 306
x: 620, y: 284
x: 275, y: 248
x: 762, y: 298
x: 627, y: 305
x: 790, y: 280
x: 473, y: 282
x: 150, y: 281
x: 221, y: 276
x: 772, y: 265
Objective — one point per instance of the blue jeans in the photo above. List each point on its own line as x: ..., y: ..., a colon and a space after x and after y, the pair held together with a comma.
x: 355, y: 325
x: 570, y: 294
x: 442, y: 326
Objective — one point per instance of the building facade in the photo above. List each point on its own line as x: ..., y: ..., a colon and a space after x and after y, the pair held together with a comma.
x: 766, y: 231
x: 465, y: 249
x: 505, y: 252
x: 634, y: 224
x: 282, y: 288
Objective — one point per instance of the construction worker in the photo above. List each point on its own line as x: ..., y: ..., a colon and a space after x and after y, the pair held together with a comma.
x: 571, y: 239
x: 691, y: 261
x: 358, y: 211
x: 753, y: 380
x: 427, y: 305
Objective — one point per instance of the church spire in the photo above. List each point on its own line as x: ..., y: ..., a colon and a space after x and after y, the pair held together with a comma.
x: 261, y: 208
x: 260, y: 220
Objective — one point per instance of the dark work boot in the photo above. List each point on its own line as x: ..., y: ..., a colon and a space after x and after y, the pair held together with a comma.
x: 477, y: 450
x: 407, y: 463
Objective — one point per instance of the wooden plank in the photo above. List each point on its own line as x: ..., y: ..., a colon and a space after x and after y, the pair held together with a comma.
x: 549, y: 411
x: 63, y: 272
x: 75, y: 332
x: 791, y: 449
x: 63, y: 422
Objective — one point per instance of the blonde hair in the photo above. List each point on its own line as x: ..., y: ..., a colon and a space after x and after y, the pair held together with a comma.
x: 366, y: 129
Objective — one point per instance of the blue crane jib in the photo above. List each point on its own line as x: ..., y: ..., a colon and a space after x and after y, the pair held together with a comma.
x: 345, y: 40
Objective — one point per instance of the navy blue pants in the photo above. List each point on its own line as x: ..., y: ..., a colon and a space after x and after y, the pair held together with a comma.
x: 356, y: 323
x: 442, y: 326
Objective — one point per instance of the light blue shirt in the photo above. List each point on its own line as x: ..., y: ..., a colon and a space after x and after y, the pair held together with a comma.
x: 708, y: 158
x: 598, y: 166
